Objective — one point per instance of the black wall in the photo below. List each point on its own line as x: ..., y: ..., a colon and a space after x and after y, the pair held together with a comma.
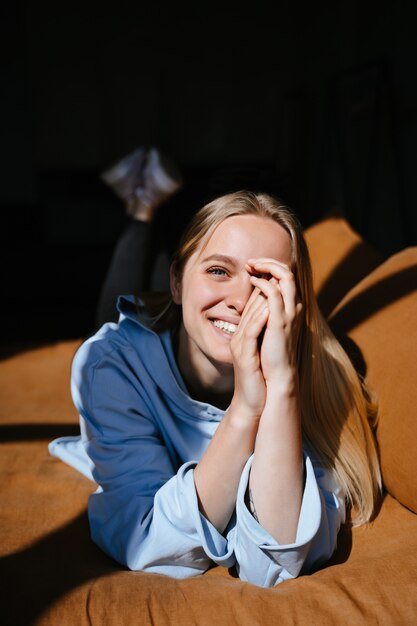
x: 321, y: 98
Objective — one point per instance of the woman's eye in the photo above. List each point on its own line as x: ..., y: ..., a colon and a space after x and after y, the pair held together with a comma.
x: 217, y: 271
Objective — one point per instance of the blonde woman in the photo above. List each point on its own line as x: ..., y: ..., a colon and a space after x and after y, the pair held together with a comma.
x: 228, y: 426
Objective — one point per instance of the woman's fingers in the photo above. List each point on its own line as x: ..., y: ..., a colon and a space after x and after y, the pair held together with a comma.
x: 255, y: 311
x: 252, y: 298
x: 272, y: 291
x: 284, y: 277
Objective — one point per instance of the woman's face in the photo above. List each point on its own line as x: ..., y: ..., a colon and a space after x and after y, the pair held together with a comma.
x: 216, y: 285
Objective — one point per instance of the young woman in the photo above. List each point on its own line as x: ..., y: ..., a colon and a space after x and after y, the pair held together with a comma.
x: 228, y: 427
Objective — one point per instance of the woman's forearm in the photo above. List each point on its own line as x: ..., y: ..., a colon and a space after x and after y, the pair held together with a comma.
x: 276, y: 481
x: 218, y: 473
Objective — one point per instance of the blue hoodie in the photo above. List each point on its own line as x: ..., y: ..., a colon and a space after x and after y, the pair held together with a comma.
x: 142, y: 435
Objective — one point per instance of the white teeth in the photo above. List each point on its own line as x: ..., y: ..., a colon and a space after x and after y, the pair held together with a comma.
x: 229, y: 328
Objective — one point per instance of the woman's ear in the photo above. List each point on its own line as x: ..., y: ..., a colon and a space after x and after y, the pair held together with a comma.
x: 175, y: 285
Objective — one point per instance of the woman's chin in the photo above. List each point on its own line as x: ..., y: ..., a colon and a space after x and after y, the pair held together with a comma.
x: 223, y: 358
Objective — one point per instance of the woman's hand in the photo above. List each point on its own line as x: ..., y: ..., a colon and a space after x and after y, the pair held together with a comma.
x: 278, y: 352
x: 250, y: 390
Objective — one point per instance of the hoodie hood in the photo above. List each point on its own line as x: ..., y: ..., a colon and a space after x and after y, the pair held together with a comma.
x: 157, y: 355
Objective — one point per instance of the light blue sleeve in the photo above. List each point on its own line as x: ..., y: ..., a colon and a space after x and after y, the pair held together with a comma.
x: 145, y: 511
x: 261, y: 560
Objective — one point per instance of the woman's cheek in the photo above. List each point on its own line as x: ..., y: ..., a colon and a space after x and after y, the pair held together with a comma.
x: 208, y: 292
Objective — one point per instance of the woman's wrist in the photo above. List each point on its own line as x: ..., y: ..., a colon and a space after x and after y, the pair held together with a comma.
x: 241, y: 416
x: 283, y: 384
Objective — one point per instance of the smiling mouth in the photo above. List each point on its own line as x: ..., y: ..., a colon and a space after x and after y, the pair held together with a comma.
x: 227, y: 327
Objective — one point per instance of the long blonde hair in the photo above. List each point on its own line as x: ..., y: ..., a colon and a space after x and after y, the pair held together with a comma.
x: 337, y: 413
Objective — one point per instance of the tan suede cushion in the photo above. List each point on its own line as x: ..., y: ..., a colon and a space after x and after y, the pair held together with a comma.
x: 51, y: 573
x: 380, y: 316
x: 339, y: 258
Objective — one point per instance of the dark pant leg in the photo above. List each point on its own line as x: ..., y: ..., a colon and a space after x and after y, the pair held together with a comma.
x: 129, y: 271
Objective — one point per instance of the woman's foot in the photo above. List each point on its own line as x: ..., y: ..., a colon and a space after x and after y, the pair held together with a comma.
x: 144, y: 179
x: 124, y: 176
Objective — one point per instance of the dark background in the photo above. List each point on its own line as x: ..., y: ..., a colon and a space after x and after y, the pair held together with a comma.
x: 316, y: 102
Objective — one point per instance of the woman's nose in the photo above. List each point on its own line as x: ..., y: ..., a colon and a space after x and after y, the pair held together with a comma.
x: 238, y: 293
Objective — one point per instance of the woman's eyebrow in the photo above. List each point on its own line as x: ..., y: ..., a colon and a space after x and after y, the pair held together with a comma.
x: 223, y: 258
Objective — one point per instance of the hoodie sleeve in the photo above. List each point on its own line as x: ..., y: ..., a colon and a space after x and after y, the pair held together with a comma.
x: 144, y: 512
x: 261, y: 560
